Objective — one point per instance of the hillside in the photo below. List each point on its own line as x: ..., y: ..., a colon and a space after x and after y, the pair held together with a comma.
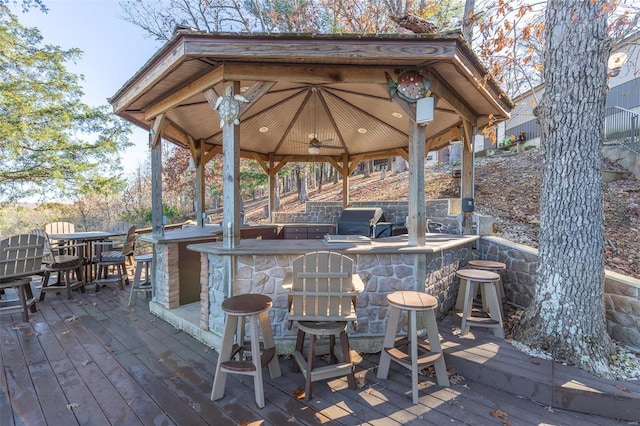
x: 507, y: 188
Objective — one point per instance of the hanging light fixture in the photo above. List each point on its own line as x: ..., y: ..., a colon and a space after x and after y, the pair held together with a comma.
x: 314, y: 150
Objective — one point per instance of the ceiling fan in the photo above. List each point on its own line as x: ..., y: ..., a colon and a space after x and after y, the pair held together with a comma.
x: 314, y: 144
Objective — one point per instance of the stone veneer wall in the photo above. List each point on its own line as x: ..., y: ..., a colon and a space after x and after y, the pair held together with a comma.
x: 166, y: 256
x: 444, y: 210
x: 381, y: 273
x: 622, y: 293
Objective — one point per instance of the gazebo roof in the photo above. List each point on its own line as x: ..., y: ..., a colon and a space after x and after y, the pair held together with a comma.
x: 298, y: 85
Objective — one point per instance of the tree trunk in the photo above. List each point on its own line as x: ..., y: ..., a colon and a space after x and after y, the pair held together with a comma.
x: 399, y: 165
x: 567, y: 314
x: 320, y: 177
x: 303, y: 193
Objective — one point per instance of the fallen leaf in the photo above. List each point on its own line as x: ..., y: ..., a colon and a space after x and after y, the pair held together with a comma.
x: 299, y: 393
x: 623, y: 389
x: 72, y: 318
x: 291, y: 419
x: 500, y: 415
x: 65, y: 332
x: 87, y: 362
x: 534, y: 362
x: 176, y: 375
x: 72, y: 406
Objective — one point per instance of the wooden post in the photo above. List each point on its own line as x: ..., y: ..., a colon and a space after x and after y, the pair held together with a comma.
x: 155, y: 144
x: 345, y: 181
x: 199, y: 164
x: 272, y: 188
x: 417, y: 205
x: 231, y: 181
x: 466, y: 176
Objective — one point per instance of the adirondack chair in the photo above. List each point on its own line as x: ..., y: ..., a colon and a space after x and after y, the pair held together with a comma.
x: 20, y: 259
x: 107, y: 258
x: 59, y: 228
x: 67, y: 267
x: 121, y: 228
x: 321, y: 303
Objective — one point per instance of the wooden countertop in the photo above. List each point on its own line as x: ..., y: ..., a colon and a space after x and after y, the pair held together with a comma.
x: 193, y: 233
x: 397, y: 244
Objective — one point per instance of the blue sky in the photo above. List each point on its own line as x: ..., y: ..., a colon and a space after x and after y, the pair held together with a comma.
x: 113, y: 51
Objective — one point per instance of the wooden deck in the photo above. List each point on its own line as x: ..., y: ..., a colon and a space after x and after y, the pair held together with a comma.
x: 94, y: 360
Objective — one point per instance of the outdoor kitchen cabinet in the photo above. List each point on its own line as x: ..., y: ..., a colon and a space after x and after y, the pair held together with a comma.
x: 301, y: 231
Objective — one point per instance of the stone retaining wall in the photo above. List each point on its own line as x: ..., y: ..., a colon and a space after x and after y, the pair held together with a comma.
x: 622, y: 293
x: 444, y: 210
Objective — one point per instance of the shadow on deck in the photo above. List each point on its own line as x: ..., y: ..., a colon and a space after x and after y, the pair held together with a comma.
x: 94, y: 360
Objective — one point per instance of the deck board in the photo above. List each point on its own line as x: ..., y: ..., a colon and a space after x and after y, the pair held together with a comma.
x: 123, y: 365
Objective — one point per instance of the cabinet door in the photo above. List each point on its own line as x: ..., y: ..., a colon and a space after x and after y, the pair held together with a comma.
x: 295, y: 232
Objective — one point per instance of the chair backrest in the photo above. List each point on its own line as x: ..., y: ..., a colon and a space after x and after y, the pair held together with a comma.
x: 48, y: 252
x: 120, y: 227
x: 129, y: 243
x: 21, y: 255
x: 322, y: 287
x: 60, y: 228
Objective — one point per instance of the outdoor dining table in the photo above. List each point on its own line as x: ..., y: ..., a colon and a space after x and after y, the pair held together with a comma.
x: 88, y: 237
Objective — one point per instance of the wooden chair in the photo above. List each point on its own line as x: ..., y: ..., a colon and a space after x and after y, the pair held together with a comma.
x: 20, y: 259
x: 58, y: 260
x: 121, y: 228
x: 107, y: 259
x: 321, y: 303
x: 59, y: 228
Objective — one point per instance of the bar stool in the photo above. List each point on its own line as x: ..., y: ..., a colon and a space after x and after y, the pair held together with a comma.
x: 238, y: 309
x: 142, y: 262
x: 430, y: 352
x: 494, y: 266
x: 469, y: 281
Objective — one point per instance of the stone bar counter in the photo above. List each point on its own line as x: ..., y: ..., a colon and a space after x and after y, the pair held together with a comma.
x: 385, y: 265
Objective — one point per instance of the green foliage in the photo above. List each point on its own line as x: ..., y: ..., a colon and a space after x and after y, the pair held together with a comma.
x: 171, y: 212
x: 50, y: 142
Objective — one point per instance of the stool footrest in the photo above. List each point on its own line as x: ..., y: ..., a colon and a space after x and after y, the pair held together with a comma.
x: 237, y: 366
x: 405, y: 359
x: 321, y: 373
x: 486, y: 322
x: 58, y: 287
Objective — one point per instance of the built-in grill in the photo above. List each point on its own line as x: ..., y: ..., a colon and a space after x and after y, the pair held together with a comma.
x: 366, y: 221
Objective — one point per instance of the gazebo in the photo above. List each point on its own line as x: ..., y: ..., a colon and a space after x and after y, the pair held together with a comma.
x: 336, y: 98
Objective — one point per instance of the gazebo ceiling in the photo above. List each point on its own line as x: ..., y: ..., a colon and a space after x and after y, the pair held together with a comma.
x: 333, y: 87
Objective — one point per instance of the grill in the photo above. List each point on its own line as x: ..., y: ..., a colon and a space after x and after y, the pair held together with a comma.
x: 365, y: 221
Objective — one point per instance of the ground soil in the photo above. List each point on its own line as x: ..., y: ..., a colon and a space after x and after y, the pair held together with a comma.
x: 507, y: 188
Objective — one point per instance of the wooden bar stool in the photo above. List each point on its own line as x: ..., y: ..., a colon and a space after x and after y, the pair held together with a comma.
x: 142, y: 262
x: 493, y: 266
x: 491, y: 315
x: 238, y: 309
x: 429, y: 349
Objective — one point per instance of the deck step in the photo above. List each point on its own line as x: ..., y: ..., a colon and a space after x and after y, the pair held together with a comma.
x: 481, y: 357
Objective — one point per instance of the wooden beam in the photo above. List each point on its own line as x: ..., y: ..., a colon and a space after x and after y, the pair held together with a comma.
x: 196, y: 87
x: 353, y: 162
x: 305, y: 73
x: 156, y: 129
x: 253, y: 93
x: 211, y: 153
x: 437, y: 142
x: 442, y: 90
